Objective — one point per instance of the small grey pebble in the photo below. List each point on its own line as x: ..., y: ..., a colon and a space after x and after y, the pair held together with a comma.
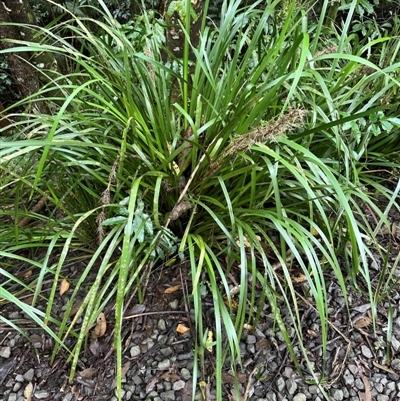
x: 288, y: 372
x: 348, y: 378
x: 174, y: 304
x: 161, y: 325
x: 353, y: 369
x: 382, y: 397
x: 280, y: 384
x: 366, y: 351
x: 16, y: 387
x: 251, y: 339
x: 395, y: 365
x: 270, y: 396
x: 337, y: 394
x: 291, y: 386
x: 314, y: 389
x: 164, y: 365
x: 135, y: 351
x: 394, y: 376
x: 168, y: 395
x: 391, y: 386
x: 19, y: 378
x: 41, y: 394
x: 68, y: 397
x: 379, y: 387
x: 178, y: 385
x: 185, y: 373
x: 5, y: 352
x: 359, y: 384
x: 12, y: 397
x: 128, y: 395
x: 28, y: 376
x: 166, y: 351
x: 299, y: 397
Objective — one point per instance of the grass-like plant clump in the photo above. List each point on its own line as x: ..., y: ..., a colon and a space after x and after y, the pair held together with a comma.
x: 259, y: 153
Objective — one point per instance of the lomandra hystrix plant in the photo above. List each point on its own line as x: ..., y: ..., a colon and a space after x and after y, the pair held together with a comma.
x: 235, y: 162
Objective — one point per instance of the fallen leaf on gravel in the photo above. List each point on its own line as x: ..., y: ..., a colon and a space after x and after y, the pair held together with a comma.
x: 367, y: 395
x: 383, y: 367
x: 87, y: 373
x: 64, y: 286
x: 171, y: 290
x: 101, y: 325
x: 182, y: 329
x: 363, y: 322
x: 301, y: 278
x: 229, y: 378
x: 28, y: 391
x: 170, y: 376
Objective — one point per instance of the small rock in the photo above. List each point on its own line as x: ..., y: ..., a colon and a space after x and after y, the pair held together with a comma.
x: 174, y: 304
x: 168, y: 395
x: 166, y: 351
x: 280, y: 384
x: 12, y: 397
x: 251, y: 339
x: 366, y: 351
x: 19, y: 378
x: 291, y: 386
x: 164, y: 365
x: 299, y: 397
x: 135, y: 351
x: 359, y: 384
x: 185, y: 373
x: 161, y: 325
x: 379, y: 387
x: 41, y: 394
x: 5, y: 352
x: 288, y: 372
x: 337, y: 394
x: 391, y: 386
x: 28, y: 376
x: 348, y: 378
x: 395, y: 365
x: 353, y: 369
x: 395, y: 344
x: 68, y: 397
x: 382, y: 397
x: 178, y: 385
x: 313, y: 389
x: 16, y: 387
x: 270, y: 396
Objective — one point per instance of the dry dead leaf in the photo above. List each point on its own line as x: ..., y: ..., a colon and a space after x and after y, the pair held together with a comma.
x: 64, y: 286
x: 101, y: 325
x: 87, y: 373
x: 28, y: 391
x: 230, y: 377
x: 383, y: 367
x: 182, y: 329
x: 248, y: 327
x: 364, y: 321
x: 301, y: 278
x: 171, y: 290
x: 367, y: 395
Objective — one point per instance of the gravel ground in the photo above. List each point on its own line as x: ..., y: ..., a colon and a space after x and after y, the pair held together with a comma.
x: 361, y: 364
